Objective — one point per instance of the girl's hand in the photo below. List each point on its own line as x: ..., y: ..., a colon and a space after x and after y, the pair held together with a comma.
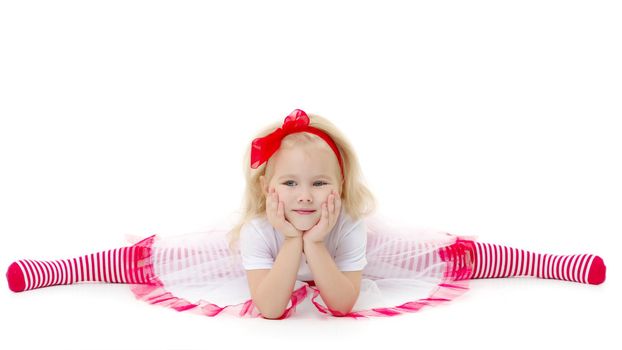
x: 330, y: 212
x: 276, y: 216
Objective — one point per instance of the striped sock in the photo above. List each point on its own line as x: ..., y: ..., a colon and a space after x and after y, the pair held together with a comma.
x: 122, y: 265
x: 497, y: 261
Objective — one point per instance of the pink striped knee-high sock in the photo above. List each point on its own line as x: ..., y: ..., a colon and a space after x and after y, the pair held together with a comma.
x: 121, y: 265
x: 497, y: 261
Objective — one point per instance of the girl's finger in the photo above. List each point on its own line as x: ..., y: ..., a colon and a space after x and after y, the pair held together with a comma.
x: 280, y: 210
x: 270, y: 203
x: 337, y: 207
x: 324, y: 211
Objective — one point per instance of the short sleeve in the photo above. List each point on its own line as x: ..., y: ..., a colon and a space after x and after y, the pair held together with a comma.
x: 351, y: 248
x: 254, y: 249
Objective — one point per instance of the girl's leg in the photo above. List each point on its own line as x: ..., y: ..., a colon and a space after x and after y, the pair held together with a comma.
x: 122, y: 265
x: 497, y: 261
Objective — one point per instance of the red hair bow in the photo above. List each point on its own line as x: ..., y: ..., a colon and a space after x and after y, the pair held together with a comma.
x: 297, y: 121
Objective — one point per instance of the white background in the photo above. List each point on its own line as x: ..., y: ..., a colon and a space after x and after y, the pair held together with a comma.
x: 487, y: 118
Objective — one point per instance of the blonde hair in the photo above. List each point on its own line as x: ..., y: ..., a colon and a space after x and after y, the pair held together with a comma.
x: 357, y: 199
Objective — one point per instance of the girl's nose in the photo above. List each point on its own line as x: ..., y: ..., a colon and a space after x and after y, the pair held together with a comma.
x: 305, y: 197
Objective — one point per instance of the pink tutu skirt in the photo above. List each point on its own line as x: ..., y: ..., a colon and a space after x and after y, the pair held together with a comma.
x: 407, y: 269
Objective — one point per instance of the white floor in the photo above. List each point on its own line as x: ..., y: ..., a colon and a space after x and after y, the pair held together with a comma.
x: 514, y: 313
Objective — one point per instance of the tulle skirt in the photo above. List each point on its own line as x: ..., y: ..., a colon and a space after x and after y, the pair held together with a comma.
x: 407, y: 268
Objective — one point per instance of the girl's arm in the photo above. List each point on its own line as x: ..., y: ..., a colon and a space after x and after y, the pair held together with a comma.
x: 271, y: 289
x: 339, y: 290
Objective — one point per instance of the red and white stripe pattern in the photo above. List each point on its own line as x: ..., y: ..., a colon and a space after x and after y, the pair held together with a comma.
x: 120, y: 265
x: 497, y: 261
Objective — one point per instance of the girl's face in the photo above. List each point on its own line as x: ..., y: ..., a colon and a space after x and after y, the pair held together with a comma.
x: 303, y: 178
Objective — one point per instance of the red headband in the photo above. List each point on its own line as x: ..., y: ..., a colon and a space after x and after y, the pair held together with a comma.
x: 297, y: 121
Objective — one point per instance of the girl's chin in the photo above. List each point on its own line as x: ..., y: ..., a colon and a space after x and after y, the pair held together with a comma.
x: 303, y: 228
x: 304, y: 224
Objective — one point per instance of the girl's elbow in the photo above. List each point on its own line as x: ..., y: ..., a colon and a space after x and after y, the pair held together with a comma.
x: 270, y: 312
x: 272, y: 315
x: 342, y: 310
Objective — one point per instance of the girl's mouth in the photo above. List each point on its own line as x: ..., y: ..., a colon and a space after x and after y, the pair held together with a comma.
x: 305, y: 212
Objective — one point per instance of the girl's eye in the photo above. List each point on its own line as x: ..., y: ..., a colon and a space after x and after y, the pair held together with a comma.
x: 286, y: 183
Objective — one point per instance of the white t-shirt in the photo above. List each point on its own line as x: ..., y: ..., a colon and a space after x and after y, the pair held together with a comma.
x: 260, y: 243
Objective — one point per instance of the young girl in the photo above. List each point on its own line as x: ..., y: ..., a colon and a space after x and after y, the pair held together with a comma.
x: 306, y: 228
